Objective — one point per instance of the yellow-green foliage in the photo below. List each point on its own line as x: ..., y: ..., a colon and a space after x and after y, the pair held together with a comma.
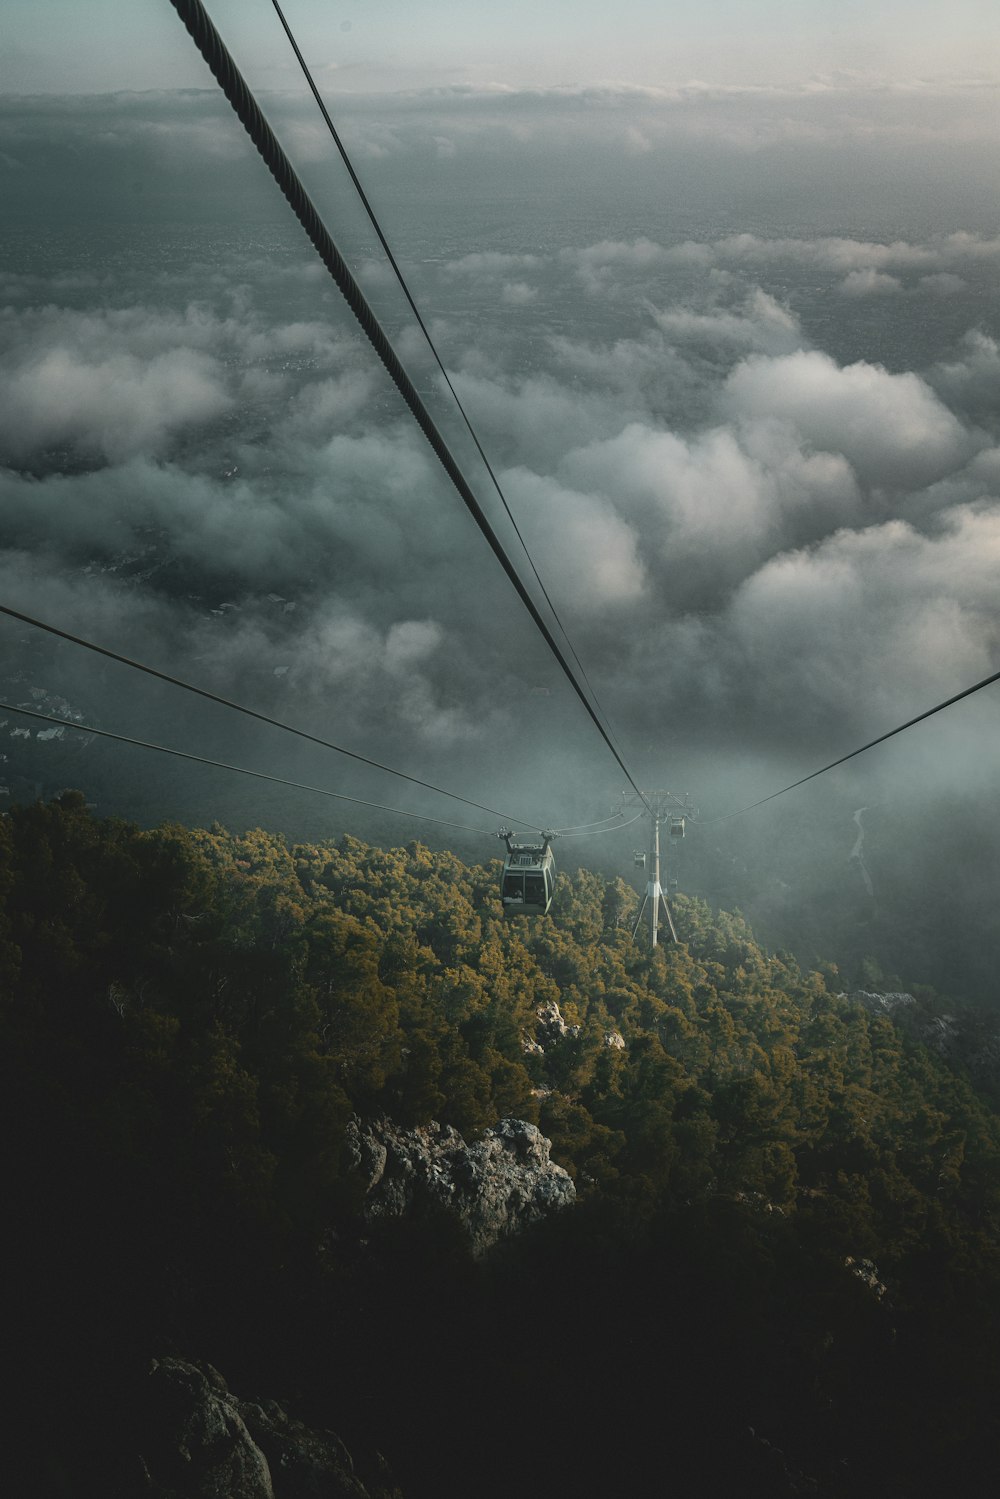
x: 255, y: 993
x: 188, y: 1019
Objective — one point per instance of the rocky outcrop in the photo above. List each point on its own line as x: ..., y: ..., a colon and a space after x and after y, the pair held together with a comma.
x: 551, y: 1025
x: 202, y: 1442
x: 615, y: 1040
x: 939, y: 1031
x: 896, y: 1006
x: 983, y: 1062
x: 757, y: 1202
x: 496, y: 1187
x: 967, y: 1039
x: 867, y: 1272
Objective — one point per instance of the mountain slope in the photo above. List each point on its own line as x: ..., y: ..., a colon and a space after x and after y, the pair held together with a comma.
x: 783, y: 1262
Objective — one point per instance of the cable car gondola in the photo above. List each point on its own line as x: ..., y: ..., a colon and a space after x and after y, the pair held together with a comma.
x: 529, y: 876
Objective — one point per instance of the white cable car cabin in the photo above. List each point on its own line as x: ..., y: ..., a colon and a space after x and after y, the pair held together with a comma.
x: 528, y: 880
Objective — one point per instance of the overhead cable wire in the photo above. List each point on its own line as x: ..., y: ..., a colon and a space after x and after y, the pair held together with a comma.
x: 241, y: 98
x: 585, y: 833
x: 276, y: 723
x: 901, y: 728
x: 401, y: 279
x: 580, y: 827
x: 242, y: 770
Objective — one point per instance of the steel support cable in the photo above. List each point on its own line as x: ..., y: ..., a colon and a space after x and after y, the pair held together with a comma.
x: 258, y: 775
x: 401, y: 279
x: 276, y: 723
x: 901, y: 728
x: 237, y: 91
x: 597, y: 833
x: 582, y: 827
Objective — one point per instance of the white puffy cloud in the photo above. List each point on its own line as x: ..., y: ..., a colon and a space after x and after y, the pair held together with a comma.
x: 841, y: 255
x: 884, y: 615
x: 537, y: 417
x: 518, y: 293
x: 586, y: 548
x: 404, y: 669
x: 972, y: 380
x: 713, y: 507
x: 491, y: 264
x: 869, y: 283
x: 323, y: 406
x: 761, y: 322
x: 943, y: 284
x: 713, y: 502
x: 113, y: 406
x: 599, y: 266
x: 891, y: 427
x: 121, y: 381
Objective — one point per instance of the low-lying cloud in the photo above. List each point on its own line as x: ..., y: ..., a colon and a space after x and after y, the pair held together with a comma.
x: 737, y: 523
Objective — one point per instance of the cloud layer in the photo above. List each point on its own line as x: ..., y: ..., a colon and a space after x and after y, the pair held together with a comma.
x: 758, y: 510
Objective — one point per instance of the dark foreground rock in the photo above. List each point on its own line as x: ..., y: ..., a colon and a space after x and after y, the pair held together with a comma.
x: 496, y: 1187
x: 202, y: 1442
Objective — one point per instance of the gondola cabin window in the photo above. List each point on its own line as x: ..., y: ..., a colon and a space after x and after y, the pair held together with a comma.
x: 528, y: 879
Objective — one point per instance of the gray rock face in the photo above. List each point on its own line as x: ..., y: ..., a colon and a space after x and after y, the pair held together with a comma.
x: 984, y: 1063
x: 867, y: 1272
x: 495, y: 1187
x: 199, y: 1446
x: 968, y: 1039
x: 203, y: 1442
x: 551, y: 1025
x: 883, y: 1004
x: 942, y: 1033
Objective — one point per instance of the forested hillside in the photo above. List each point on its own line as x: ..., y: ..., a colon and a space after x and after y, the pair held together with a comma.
x: 189, y: 1021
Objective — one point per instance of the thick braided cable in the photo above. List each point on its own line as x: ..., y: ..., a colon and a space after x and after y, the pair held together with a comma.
x: 234, y: 86
x: 401, y: 279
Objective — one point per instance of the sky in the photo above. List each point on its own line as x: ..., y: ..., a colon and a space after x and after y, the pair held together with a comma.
x: 718, y: 286
x: 62, y: 46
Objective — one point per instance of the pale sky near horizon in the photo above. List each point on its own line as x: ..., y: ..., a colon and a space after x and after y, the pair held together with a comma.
x: 63, y: 46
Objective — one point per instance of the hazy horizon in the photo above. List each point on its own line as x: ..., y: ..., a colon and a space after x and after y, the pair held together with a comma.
x: 57, y: 47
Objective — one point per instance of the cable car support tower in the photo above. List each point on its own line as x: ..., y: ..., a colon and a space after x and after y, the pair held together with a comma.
x: 661, y: 807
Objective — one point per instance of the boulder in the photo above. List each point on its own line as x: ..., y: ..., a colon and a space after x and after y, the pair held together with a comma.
x: 496, y: 1186
x: 551, y: 1025
x: 197, y: 1445
x: 867, y: 1272
x: 966, y: 1039
x: 893, y: 1005
x: 202, y: 1442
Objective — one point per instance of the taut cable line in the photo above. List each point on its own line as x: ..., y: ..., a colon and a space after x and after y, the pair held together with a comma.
x: 242, y: 770
x: 891, y: 734
x: 582, y: 827
x: 596, y: 832
x: 241, y: 98
x: 225, y: 702
x: 404, y: 287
